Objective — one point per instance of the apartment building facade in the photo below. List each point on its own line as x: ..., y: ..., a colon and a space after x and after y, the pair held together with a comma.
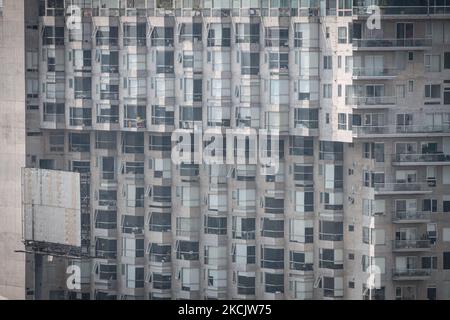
x: 363, y: 134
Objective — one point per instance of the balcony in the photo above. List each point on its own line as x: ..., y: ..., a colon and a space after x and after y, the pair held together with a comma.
x: 134, y: 123
x: 410, y: 217
x: 374, y: 73
x: 371, y: 102
x: 391, y: 44
x: 394, y: 188
x: 400, y: 131
x: 410, y: 245
x: 426, y: 159
x: 410, y: 274
x: 386, y: 11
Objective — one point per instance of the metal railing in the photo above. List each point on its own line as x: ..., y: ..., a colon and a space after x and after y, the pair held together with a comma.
x: 374, y: 72
x: 134, y: 123
x: 392, y: 43
x: 404, y: 10
x: 411, y: 244
x: 301, y: 266
x: 410, y: 215
x: 404, y: 129
x: 381, y: 100
x: 246, y: 235
x: 331, y: 236
x: 407, y: 272
x: 424, y: 157
x: 401, y: 186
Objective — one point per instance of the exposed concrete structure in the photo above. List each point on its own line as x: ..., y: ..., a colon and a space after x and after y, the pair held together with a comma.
x: 12, y: 147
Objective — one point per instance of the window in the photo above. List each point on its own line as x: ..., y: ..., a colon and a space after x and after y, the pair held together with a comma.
x: 243, y: 254
x: 429, y: 205
x: 191, y: 32
x: 190, y: 279
x: 327, y: 62
x: 243, y: 228
x: 53, y: 35
x: 274, y: 283
x: 162, y: 36
x: 215, y: 225
x: 331, y: 231
x: 247, y: 33
x: 134, y: 116
x: 215, y: 255
x: 303, y: 175
x: 446, y: 260
x: 301, y: 261
x: 279, y: 61
x: 327, y: 91
x: 107, y: 113
x: 136, y: 62
x: 301, y: 231
x: 134, y: 276
x: 187, y: 250
x: 306, y: 35
x: 431, y: 293
x: 342, y: 121
x: 272, y: 228
x: 279, y: 91
x: 446, y: 60
x: 105, y: 140
x: 331, y: 259
x: 133, y: 248
x: 164, y: 62
x: 277, y: 37
x: 272, y: 258
x: 82, y: 88
x: 446, y: 234
x: 306, y: 118
x: 250, y: 63
x: 163, y: 87
x: 219, y: 35
x: 107, y: 35
x: 134, y: 34
x: 162, y: 115
x: 80, y: 116
x: 342, y: 34
x: 429, y: 262
x: 433, y: 91
x: 137, y: 87
x: 432, y: 63
x: 56, y: 142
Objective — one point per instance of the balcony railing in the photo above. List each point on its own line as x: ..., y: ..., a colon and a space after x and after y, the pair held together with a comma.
x: 426, y: 157
x: 403, y: 129
x: 401, y: 187
x: 374, y: 72
x: 410, y: 215
x: 331, y: 236
x: 403, y: 10
x: 247, y: 235
x: 371, y: 101
x: 411, y: 244
x: 392, y: 43
x: 134, y: 123
x: 410, y: 273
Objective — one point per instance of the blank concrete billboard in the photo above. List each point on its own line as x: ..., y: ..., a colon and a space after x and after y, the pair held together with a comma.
x: 51, y: 206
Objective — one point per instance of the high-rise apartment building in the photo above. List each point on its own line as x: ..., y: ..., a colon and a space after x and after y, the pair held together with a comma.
x: 358, y: 92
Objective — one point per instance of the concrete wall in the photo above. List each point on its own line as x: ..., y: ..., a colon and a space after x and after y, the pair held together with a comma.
x: 12, y: 146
